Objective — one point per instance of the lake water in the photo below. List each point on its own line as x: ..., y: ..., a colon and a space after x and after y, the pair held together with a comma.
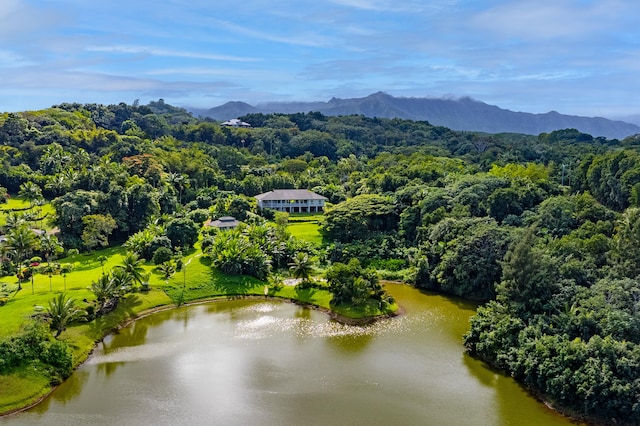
x: 275, y: 363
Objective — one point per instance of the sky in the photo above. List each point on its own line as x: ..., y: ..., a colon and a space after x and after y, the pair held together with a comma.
x: 579, y: 57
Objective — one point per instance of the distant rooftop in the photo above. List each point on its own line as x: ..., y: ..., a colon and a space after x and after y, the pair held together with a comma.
x: 236, y: 122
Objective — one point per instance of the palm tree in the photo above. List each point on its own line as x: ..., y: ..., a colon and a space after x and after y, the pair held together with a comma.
x: 34, y: 262
x: 30, y: 191
x: 50, y: 270
x: 23, y: 241
x: 62, y: 310
x: 132, y: 265
x: 122, y: 281
x: 14, y: 220
x: 177, y: 180
x: 167, y: 269
x: 65, y: 268
x: 107, y: 291
x: 102, y: 259
x: 302, y: 266
x: 49, y: 245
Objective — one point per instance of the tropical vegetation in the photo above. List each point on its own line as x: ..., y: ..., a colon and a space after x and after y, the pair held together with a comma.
x: 111, y: 203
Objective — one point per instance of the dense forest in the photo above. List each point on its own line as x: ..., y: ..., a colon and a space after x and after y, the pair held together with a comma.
x: 544, y: 231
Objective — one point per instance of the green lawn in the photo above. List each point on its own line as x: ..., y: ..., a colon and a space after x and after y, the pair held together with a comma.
x: 306, y: 226
x: 20, y: 205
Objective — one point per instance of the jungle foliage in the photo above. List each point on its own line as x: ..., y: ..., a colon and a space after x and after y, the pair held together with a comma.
x: 545, y: 230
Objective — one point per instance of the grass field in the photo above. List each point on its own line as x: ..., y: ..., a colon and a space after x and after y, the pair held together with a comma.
x: 20, y: 205
x: 306, y: 227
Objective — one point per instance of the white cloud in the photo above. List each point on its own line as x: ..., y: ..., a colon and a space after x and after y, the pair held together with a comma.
x: 535, y: 20
x: 148, y: 50
x: 307, y: 38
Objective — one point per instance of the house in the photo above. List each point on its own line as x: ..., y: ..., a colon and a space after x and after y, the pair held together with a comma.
x: 224, y: 223
x: 235, y: 122
x: 292, y: 201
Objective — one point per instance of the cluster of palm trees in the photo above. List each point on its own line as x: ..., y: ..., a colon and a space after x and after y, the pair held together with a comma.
x: 254, y: 249
x: 19, y: 252
x: 122, y: 279
x: 108, y: 290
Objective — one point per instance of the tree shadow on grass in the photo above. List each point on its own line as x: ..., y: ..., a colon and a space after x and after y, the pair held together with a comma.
x: 231, y: 285
x: 306, y: 295
x: 100, y: 326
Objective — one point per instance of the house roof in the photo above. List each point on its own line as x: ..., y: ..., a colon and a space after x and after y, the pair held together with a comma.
x: 290, y: 194
x: 224, y: 222
x: 236, y: 122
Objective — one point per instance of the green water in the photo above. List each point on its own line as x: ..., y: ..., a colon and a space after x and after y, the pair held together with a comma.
x: 274, y: 363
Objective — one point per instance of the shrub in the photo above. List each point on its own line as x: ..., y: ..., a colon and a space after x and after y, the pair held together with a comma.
x: 161, y: 255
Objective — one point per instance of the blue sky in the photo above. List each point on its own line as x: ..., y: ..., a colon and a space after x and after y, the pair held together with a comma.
x: 574, y: 56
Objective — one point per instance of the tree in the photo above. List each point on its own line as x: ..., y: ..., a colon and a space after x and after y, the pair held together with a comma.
x: 143, y: 205
x: 65, y: 268
x: 167, y: 269
x: 182, y: 232
x: 132, y: 265
x: 50, y: 269
x: 351, y: 284
x: 302, y: 266
x: 31, y: 192
x: 97, y: 228
x: 104, y: 289
x: 626, y: 254
x: 102, y: 259
x: 528, y: 277
x: 49, y: 246
x: 23, y: 241
x: 358, y: 217
x: 62, y: 310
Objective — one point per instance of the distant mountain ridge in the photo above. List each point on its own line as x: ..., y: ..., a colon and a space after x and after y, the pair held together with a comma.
x: 457, y: 114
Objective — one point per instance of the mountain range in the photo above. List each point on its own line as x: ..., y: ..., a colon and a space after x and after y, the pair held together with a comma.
x: 458, y: 114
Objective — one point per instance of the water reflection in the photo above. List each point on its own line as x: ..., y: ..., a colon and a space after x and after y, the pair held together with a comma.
x: 272, y: 363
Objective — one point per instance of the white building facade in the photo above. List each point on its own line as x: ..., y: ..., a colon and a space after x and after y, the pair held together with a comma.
x: 292, y: 201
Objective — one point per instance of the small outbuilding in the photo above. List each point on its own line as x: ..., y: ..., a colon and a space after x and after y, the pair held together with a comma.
x: 224, y: 223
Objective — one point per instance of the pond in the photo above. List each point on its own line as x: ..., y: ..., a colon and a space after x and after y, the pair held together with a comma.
x: 274, y: 363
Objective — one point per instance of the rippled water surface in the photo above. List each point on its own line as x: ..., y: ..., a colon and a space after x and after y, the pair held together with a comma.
x: 275, y: 363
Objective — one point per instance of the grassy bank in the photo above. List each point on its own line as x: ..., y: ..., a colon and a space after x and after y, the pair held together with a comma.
x: 197, y: 281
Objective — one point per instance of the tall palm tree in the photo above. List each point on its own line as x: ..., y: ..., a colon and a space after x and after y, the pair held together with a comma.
x: 102, y: 259
x: 50, y: 269
x: 23, y: 241
x: 178, y: 182
x: 65, y: 268
x: 50, y: 245
x: 62, y: 310
x: 132, y: 265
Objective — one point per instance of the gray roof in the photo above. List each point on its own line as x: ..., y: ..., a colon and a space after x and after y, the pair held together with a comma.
x: 225, y: 222
x: 290, y: 194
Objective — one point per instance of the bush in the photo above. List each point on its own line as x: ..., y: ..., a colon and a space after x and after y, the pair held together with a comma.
x: 198, y: 216
x: 156, y: 243
x: 36, y: 344
x: 161, y: 255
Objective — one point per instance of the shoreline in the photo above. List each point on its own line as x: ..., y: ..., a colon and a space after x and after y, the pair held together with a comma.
x: 147, y: 312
